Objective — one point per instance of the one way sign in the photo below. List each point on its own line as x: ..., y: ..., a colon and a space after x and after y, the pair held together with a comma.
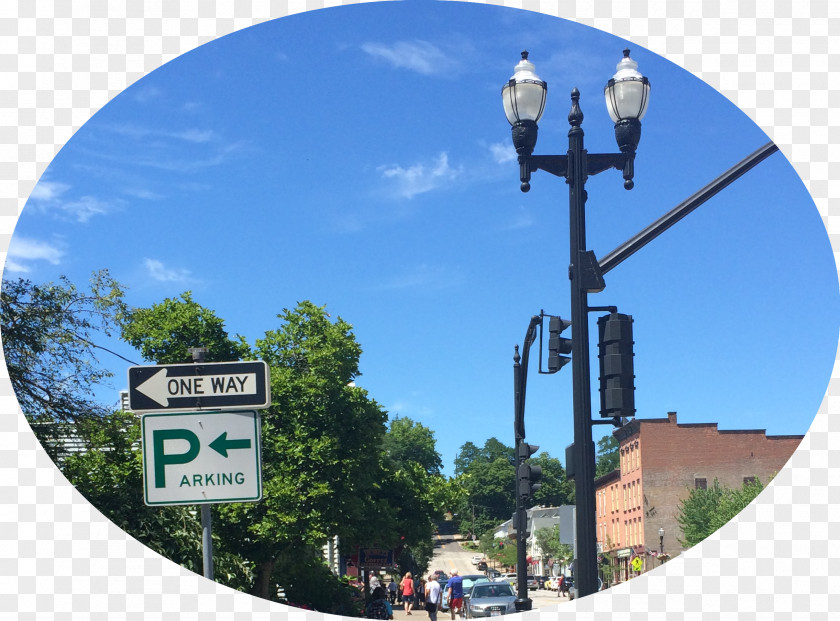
x: 202, y: 386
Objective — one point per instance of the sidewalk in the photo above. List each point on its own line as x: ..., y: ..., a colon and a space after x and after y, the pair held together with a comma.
x: 417, y: 615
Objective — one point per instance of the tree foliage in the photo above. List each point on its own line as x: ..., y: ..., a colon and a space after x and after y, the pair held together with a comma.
x: 330, y: 465
x: 555, y: 488
x: 548, y: 539
x: 52, y: 334
x: 109, y: 474
x: 165, y: 332
x: 407, y: 441
x: 608, y: 457
x: 707, y: 510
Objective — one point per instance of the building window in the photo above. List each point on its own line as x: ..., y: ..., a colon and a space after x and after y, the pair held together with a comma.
x: 699, y: 483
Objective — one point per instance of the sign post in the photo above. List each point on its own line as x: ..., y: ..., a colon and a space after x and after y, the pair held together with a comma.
x: 193, y: 453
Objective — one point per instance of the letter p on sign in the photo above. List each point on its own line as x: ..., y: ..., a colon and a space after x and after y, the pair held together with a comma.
x: 163, y: 459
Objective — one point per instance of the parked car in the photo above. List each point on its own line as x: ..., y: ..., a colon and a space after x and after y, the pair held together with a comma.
x: 532, y: 583
x: 568, y: 583
x: 490, y: 599
x: 573, y: 589
x: 509, y: 578
x: 467, y: 582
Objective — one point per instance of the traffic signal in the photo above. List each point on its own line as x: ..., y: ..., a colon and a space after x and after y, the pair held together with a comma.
x: 615, y: 355
x: 527, y: 476
x: 558, y: 345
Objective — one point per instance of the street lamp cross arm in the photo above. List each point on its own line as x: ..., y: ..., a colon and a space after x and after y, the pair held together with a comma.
x: 557, y: 165
x: 599, y: 162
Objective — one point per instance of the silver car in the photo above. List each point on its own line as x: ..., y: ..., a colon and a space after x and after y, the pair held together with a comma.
x: 491, y: 599
x: 466, y: 583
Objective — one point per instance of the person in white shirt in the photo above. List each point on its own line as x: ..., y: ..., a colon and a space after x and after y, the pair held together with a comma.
x: 432, y: 597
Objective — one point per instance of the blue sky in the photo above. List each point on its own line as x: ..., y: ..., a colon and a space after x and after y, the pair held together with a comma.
x: 359, y: 157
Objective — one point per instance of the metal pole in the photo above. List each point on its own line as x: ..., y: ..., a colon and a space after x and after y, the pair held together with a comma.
x: 522, y: 602
x: 679, y: 212
x: 584, y: 453
x: 207, y: 541
x: 198, y: 354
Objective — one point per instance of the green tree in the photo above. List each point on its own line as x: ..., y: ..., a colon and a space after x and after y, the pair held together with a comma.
x: 499, y: 550
x: 322, y: 441
x: 109, y: 474
x: 548, y: 539
x: 488, y: 477
x: 489, y: 488
x: 165, y: 332
x: 407, y: 441
x: 706, y: 510
x: 469, y: 452
x: 416, y: 493
x: 608, y: 457
x: 321, y: 438
x: 555, y: 489
x: 52, y: 334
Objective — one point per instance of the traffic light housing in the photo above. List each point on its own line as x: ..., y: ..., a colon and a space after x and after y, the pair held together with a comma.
x: 557, y: 344
x: 615, y: 356
x: 527, y: 476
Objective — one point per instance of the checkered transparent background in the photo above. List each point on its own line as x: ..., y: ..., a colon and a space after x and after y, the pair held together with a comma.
x: 60, y: 62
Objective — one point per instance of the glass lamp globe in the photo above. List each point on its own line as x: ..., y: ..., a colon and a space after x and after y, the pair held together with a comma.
x: 628, y: 91
x: 523, y: 96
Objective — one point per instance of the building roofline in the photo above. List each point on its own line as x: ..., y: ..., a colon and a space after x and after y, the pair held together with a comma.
x: 634, y: 425
x: 607, y: 478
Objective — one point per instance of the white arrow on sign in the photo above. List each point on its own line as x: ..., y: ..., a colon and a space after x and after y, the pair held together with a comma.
x: 160, y: 388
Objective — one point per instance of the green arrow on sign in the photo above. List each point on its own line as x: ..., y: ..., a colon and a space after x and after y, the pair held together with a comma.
x: 222, y: 444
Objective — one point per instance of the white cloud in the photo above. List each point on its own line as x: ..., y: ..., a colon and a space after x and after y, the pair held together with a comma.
x: 423, y: 276
x: 137, y: 132
x: 48, y: 196
x: 420, y: 56
x: 23, y: 251
x: 85, y: 208
x: 158, y: 271
x: 503, y: 152
x: 418, y: 412
x: 48, y: 191
x: 522, y: 219
x: 421, y: 177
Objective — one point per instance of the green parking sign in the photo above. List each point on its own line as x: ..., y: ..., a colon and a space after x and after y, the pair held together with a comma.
x: 201, y: 457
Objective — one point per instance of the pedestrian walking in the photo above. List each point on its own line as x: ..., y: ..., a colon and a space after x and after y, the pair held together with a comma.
x: 455, y: 591
x: 379, y: 608
x: 432, y: 597
x: 374, y: 582
x: 421, y: 593
x: 408, y: 592
x: 392, y: 591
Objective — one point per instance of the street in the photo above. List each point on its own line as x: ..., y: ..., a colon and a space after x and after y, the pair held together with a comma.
x: 449, y: 555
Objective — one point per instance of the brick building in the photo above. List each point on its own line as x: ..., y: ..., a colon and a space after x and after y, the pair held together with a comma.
x: 660, y: 462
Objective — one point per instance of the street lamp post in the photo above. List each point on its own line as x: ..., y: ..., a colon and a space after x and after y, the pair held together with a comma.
x: 523, y: 98
x: 661, y: 543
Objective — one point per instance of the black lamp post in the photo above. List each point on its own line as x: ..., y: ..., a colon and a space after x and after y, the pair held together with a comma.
x: 661, y: 543
x: 627, y: 99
